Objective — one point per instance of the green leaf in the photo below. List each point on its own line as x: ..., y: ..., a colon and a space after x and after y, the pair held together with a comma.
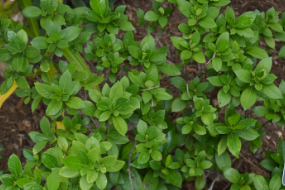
x: 245, y: 19
x: 268, y: 164
x: 174, y: 178
x: 101, y: 181
x: 168, y: 69
x: 205, y: 164
x: 115, y: 167
x: 22, y: 82
x: 223, y: 42
x: 247, y: 134
x: 150, y: 41
x: 44, y: 90
x: 75, y: 103
x: 15, y: 166
x: 257, y: 52
x: 215, y: 80
x: 72, y: 162
x: 244, y: 75
x: 224, y: 98
x: 49, y: 161
x: 5, y: 54
x: 108, y: 160
x: 40, y: 42
x: 32, y: 12
x: 151, y: 16
x: 217, y: 63
x: 275, y: 182
x: 68, y: 173
x: 264, y: 64
x: 272, y: 91
x: 280, y: 54
x: 126, y: 26
x: 248, y: 97
x: 142, y: 127
x: 199, y: 57
x: 200, y: 182
x: 163, y: 21
x: 116, y: 91
x: 39, y: 146
x: 223, y: 160
x: 71, y: 33
x: 156, y: 155
x: 207, y: 22
x: 178, y: 82
x: 84, y: 183
x: 120, y: 125
x: 208, y: 118
x: 53, y: 181
x: 54, y: 107
x: 45, y: 126
x: 260, y: 183
x: 89, y: 108
x: 245, y: 32
x: 232, y: 175
x: 99, y: 7
x: 92, y: 175
x: 19, y: 62
x: 199, y: 130
x: 178, y: 105
x: 232, y: 120
x: 23, y: 181
x: 222, y: 146
x: 234, y: 144
x: 135, y: 52
x: 185, y: 8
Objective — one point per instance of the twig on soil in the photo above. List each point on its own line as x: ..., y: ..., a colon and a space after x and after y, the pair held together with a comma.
x: 211, y: 59
x: 258, y: 168
x: 188, y: 91
x: 227, y: 186
x: 150, y: 88
x: 132, y: 174
x: 214, y: 181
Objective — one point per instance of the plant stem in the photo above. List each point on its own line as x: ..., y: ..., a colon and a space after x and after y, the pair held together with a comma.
x: 81, y: 64
x: 33, y: 23
x: 76, y: 58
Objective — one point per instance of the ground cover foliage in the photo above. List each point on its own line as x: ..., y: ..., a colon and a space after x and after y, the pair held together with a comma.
x: 162, y: 153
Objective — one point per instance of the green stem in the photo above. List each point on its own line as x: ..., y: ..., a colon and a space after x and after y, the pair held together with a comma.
x: 81, y: 64
x: 30, y: 33
x: 33, y: 23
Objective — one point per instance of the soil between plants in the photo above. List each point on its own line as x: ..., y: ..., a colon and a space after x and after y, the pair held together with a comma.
x: 17, y: 119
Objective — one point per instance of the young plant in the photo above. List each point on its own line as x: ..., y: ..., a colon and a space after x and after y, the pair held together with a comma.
x: 142, y: 134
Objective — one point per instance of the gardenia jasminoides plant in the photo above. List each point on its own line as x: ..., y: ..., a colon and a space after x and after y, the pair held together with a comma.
x: 134, y: 143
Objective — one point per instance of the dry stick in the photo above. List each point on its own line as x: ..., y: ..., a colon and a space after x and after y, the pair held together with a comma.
x: 211, y: 59
x: 253, y: 164
x: 214, y: 181
x: 150, y: 88
x: 132, y: 174
x: 188, y: 91
x: 227, y: 186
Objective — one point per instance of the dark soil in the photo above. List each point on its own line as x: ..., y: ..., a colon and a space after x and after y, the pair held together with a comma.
x: 17, y: 120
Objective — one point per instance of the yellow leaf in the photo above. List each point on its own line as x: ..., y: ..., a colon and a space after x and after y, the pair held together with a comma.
x: 3, y: 97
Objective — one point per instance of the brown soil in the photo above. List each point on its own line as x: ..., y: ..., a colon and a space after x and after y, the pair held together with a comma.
x: 17, y: 120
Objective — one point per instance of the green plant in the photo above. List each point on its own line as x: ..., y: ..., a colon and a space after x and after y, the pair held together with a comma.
x: 134, y: 142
